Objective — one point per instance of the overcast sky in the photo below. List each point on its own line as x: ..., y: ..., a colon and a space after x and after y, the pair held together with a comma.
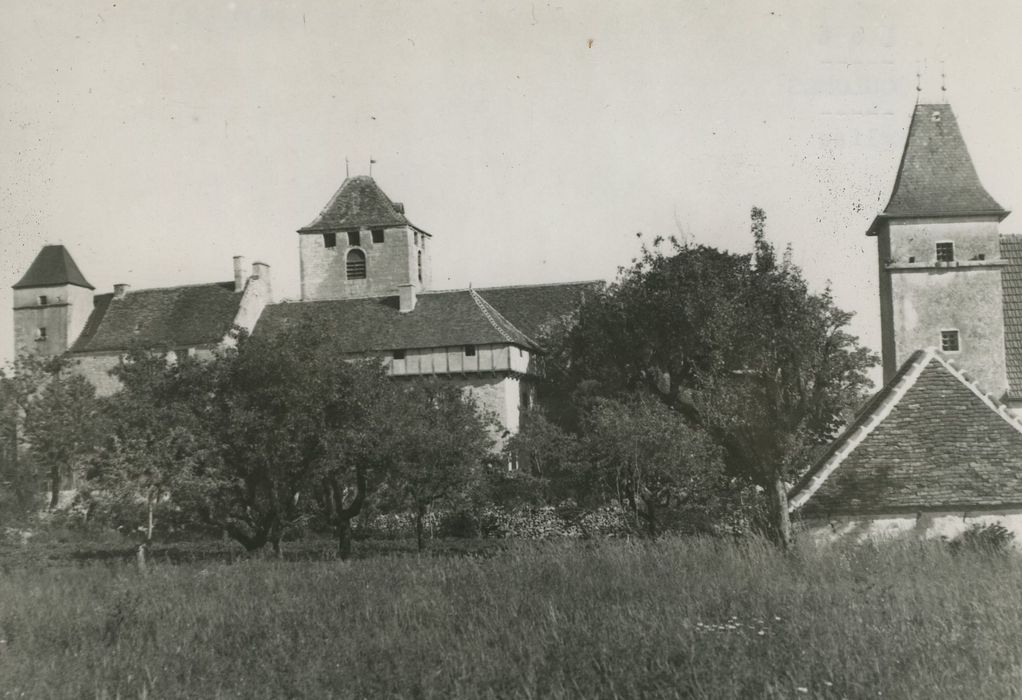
x: 533, y: 140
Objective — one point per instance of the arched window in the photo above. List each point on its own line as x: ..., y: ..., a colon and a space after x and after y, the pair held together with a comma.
x: 356, y: 263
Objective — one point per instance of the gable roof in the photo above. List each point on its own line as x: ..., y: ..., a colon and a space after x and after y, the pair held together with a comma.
x: 358, y: 203
x: 186, y: 316
x: 52, y: 267
x: 533, y: 308
x: 1011, y: 284
x: 372, y: 324
x: 929, y: 440
x: 936, y: 176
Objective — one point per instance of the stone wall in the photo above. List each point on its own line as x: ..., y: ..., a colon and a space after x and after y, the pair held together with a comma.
x: 922, y: 525
x: 64, y: 314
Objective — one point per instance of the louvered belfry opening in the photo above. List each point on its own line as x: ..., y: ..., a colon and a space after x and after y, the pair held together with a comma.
x: 356, y: 265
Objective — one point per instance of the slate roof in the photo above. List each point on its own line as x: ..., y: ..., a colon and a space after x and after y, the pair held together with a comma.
x: 52, y: 267
x: 531, y: 308
x: 929, y: 440
x: 1011, y: 282
x: 358, y: 203
x: 189, y: 316
x: 440, y: 319
x: 936, y: 176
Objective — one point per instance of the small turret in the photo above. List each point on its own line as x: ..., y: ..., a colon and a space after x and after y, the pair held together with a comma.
x: 52, y: 302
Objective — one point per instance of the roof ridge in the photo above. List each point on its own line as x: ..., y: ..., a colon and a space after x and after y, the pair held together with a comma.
x: 544, y: 284
x: 489, y: 312
x: 178, y: 286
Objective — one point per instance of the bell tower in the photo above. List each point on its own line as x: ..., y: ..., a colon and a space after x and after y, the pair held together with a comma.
x: 52, y: 302
x: 939, y: 256
x: 363, y: 245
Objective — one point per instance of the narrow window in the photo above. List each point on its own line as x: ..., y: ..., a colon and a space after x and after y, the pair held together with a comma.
x: 377, y: 235
x: 329, y: 240
x: 40, y: 334
x: 420, y: 266
x: 352, y: 237
x: 470, y: 350
x: 945, y: 252
x: 356, y: 265
x: 949, y: 341
x: 399, y: 354
x: 44, y: 300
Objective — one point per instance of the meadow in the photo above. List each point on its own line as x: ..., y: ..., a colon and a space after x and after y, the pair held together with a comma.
x: 682, y: 618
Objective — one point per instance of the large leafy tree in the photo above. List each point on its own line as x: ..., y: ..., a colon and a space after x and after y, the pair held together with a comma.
x: 437, y: 443
x: 737, y: 344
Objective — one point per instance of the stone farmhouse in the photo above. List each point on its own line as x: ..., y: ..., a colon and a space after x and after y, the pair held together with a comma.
x: 366, y: 278
x: 939, y: 448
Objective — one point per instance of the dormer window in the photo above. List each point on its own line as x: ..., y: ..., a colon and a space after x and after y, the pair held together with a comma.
x: 377, y: 235
x: 949, y: 341
x: 329, y: 240
x: 44, y: 300
x: 356, y: 265
x: 470, y: 351
x: 399, y: 354
x: 945, y: 251
x: 352, y: 237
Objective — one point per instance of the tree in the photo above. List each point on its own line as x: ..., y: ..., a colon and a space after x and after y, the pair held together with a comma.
x: 153, y: 439
x: 437, y: 442
x: 737, y: 344
x: 59, y: 412
x: 654, y: 464
x: 289, y: 422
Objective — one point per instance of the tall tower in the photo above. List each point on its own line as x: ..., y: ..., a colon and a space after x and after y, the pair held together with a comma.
x: 52, y: 302
x: 940, y: 257
x: 362, y: 245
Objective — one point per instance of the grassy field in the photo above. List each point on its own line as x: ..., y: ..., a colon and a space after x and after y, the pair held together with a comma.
x: 675, y: 618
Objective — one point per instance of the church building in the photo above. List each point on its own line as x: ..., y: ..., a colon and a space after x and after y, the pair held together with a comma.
x: 939, y: 448
x: 366, y: 277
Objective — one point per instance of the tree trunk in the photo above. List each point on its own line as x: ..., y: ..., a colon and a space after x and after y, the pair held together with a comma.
x: 420, y: 514
x: 343, y: 529
x: 54, y: 486
x: 781, y: 525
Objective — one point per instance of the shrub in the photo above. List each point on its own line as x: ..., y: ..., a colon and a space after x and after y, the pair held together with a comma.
x: 992, y: 538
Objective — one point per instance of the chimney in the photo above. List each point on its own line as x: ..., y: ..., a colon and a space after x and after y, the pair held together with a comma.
x: 261, y: 271
x: 239, y: 272
x: 406, y: 292
x: 121, y: 290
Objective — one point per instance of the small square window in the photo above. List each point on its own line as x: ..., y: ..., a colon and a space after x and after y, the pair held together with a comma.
x: 949, y: 341
x: 44, y: 300
x: 40, y: 334
x: 416, y: 238
x: 330, y: 240
x: 377, y: 235
x: 353, y: 238
x: 399, y: 354
x: 470, y: 350
x: 945, y: 252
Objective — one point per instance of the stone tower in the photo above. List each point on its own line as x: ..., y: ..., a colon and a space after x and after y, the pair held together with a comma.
x: 362, y: 245
x: 940, y: 257
x: 52, y: 302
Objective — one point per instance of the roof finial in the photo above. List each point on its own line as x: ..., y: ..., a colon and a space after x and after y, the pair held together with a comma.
x: 347, y: 169
x: 371, y: 162
x: 943, y: 83
x: 919, y: 82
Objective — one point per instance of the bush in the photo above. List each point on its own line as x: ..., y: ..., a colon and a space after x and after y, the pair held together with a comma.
x: 993, y: 538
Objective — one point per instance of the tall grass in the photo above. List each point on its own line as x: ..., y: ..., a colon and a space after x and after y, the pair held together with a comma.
x: 675, y: 618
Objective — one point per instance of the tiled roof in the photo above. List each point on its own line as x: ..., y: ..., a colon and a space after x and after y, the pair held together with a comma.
x: 173, y: 317
x: 533, y: 307
x: 936, y: 176
x: 440, y: 319
x: 929, y: 440
x: 1011, y: 281
x: 358, y: 203
x: 53, y: 266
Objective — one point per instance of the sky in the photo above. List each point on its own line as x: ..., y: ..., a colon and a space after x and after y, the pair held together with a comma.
x: 533, y: 140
